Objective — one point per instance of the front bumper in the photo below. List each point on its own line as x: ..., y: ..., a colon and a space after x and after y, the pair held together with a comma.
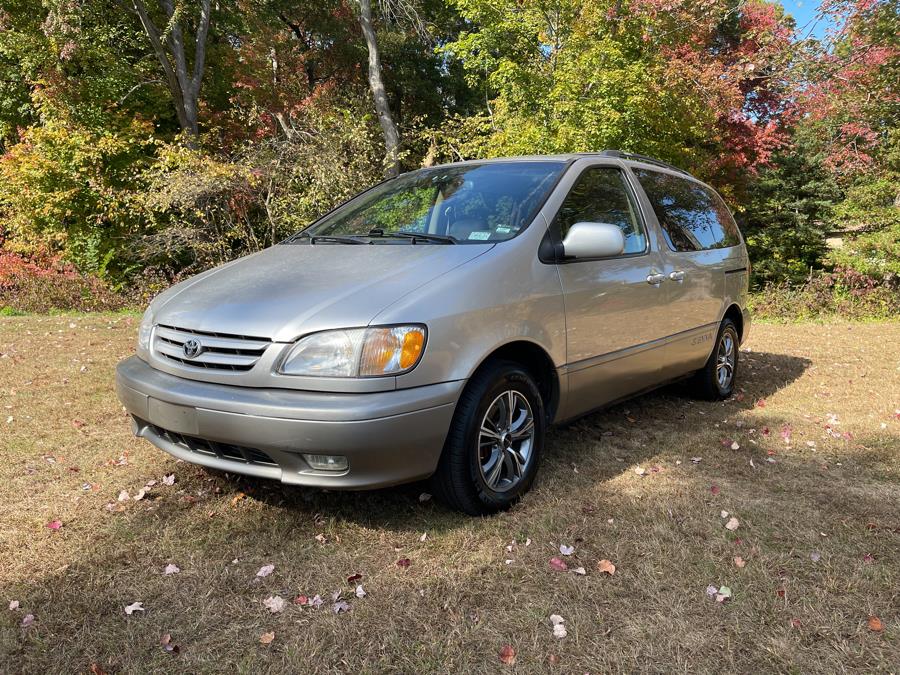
x: 388, y: 437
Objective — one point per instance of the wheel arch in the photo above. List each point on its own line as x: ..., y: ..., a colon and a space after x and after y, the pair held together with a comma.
x: 536, y: 360
x: 735, y: 314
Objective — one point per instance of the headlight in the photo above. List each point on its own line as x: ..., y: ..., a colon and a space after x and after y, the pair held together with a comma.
x: 356, y: 352
x: 144, y: 331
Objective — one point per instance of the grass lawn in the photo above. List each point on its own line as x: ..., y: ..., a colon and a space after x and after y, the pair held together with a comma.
x: 806, y: 458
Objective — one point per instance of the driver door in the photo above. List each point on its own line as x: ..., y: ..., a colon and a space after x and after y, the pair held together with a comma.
x: 614, y: 306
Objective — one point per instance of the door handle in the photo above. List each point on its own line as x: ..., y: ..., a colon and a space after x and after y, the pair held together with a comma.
x: 655, y: 279
x: 677, y: 275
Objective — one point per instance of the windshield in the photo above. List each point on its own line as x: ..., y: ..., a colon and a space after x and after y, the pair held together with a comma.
x: 473, y: 203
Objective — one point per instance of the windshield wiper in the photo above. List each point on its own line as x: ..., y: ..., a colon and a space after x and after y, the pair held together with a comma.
x: 334, y: 239
x: 424, y: 236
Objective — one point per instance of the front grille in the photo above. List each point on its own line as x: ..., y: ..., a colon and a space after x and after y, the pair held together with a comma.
x: 218, y: 351
x: 201, y: 446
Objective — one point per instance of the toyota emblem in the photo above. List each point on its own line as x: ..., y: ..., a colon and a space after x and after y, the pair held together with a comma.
x: 192, y: 348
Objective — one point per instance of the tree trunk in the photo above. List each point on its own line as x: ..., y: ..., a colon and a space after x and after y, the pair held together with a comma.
x: 376, y: 84
x: 184, y: 85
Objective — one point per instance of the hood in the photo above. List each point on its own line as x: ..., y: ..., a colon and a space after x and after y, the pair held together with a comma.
x: 292, y: 289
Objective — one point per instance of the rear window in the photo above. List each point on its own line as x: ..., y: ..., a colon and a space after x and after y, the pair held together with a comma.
x: 692, y: 216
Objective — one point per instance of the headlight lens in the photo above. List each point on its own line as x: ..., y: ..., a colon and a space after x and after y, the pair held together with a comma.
x: 144, y: 331
x: 356, y: 352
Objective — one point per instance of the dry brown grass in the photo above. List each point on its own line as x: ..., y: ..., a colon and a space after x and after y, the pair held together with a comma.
x: 459, y: 601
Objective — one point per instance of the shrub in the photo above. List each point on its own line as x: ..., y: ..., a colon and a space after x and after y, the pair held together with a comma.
x: 45, y: 283
x: 845, y: 292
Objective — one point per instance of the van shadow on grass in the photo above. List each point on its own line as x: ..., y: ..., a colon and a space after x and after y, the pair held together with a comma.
x: 633, y: 432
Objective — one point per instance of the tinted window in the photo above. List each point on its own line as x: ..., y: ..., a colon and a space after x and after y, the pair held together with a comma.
x: 472, y: 203
x: 693, y: 217
x: 601, y: 195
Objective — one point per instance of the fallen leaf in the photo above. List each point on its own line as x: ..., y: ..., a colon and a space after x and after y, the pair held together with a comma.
x: 795, y: 623
x: 301, y: 600
x: 340, y: 606
x: 553, y: 659
x: 124, y: 496
x: 723, y: 594
x: 238, y: 497
x: 640, y: 471
x: 360, y: 593
x: 732, y: 524
x: 316, y: 601
x: 13, y: 605
x: 424, y: 536
x: 761, y: 403
x: 558, y: 564
x: 171, y: 569
x: 27, y: 620
x: 714, y: 489
x: 140, y: 494
x: 566, y: 550
x: 875, y: 624
x: 424, y: 497
x: 54, y: 524
x: 735, y: 446
x: 266, y: 638
x: 712, y: 590
x: 275, y: 604
x: 403, y: 562
x: 265, y: 571
x: 353, y: 578
x: 606, y: 567
x: 868, y: 558
x: 508, y: 655
x: 96, y: 669
x: 696, y: 460
x: 580, y: 571
x: 739, y: 562
x: 169, y: 479
x: 321, y: 538
x: 166, y: 642
x: 559, y: 630
x: 134, y: 607
x: 815, y: 556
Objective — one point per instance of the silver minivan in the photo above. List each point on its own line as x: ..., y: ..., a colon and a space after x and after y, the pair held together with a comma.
x: 434, y: 325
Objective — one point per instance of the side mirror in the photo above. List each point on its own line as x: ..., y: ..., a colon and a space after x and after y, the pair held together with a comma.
x: 593, y: 240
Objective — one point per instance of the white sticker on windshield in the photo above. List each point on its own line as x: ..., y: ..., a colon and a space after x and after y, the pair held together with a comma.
x: 481, y: 235
x: 504, y: 230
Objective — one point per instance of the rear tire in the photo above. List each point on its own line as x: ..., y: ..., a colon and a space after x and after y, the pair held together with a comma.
x: 493, y: 448
x: 715, y: 381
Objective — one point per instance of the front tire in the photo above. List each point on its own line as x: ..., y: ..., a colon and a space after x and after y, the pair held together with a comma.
x: 493, y: 448
x: 715, y: 381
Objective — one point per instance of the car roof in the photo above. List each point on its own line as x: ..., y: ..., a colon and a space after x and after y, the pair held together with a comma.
x: 630, y: 158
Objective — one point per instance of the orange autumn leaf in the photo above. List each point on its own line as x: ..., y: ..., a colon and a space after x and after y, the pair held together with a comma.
x: 606, y: 567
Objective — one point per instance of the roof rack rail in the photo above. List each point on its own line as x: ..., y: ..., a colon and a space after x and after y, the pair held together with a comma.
x: 642, y: 158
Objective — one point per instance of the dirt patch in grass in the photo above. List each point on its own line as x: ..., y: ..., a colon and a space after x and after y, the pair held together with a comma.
x: 819, y: 532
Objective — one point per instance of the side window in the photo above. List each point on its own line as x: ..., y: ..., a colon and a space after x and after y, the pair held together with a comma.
x: 600, y: 195
x: 692, y: 217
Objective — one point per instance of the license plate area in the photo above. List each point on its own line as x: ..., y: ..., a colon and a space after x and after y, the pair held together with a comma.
x: 178, y: 418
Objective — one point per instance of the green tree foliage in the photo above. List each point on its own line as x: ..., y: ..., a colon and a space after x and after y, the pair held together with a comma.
x: 100, y: 166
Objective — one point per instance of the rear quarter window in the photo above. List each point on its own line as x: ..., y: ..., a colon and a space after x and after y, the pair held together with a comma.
x: 692, y: 216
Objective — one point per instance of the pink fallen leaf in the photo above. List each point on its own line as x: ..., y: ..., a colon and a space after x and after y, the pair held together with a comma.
x: 124, y: 496
x: 171, y: 568
x: 169, y: 479
x: 739, y: 562
x: 403, y: 562
x: 714, y: 489
x: 54, y: 524
x: 265, y: 571
x: 732, y: 524
x: 558, y: 564
x: 134, y: 607
x: 13, y: 605
x: 27, y: 620
x: 266, y: 638
x: 508, y: 655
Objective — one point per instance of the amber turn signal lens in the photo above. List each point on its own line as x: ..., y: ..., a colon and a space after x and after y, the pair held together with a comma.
x: 413, y: 342
x: 391, y: 351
